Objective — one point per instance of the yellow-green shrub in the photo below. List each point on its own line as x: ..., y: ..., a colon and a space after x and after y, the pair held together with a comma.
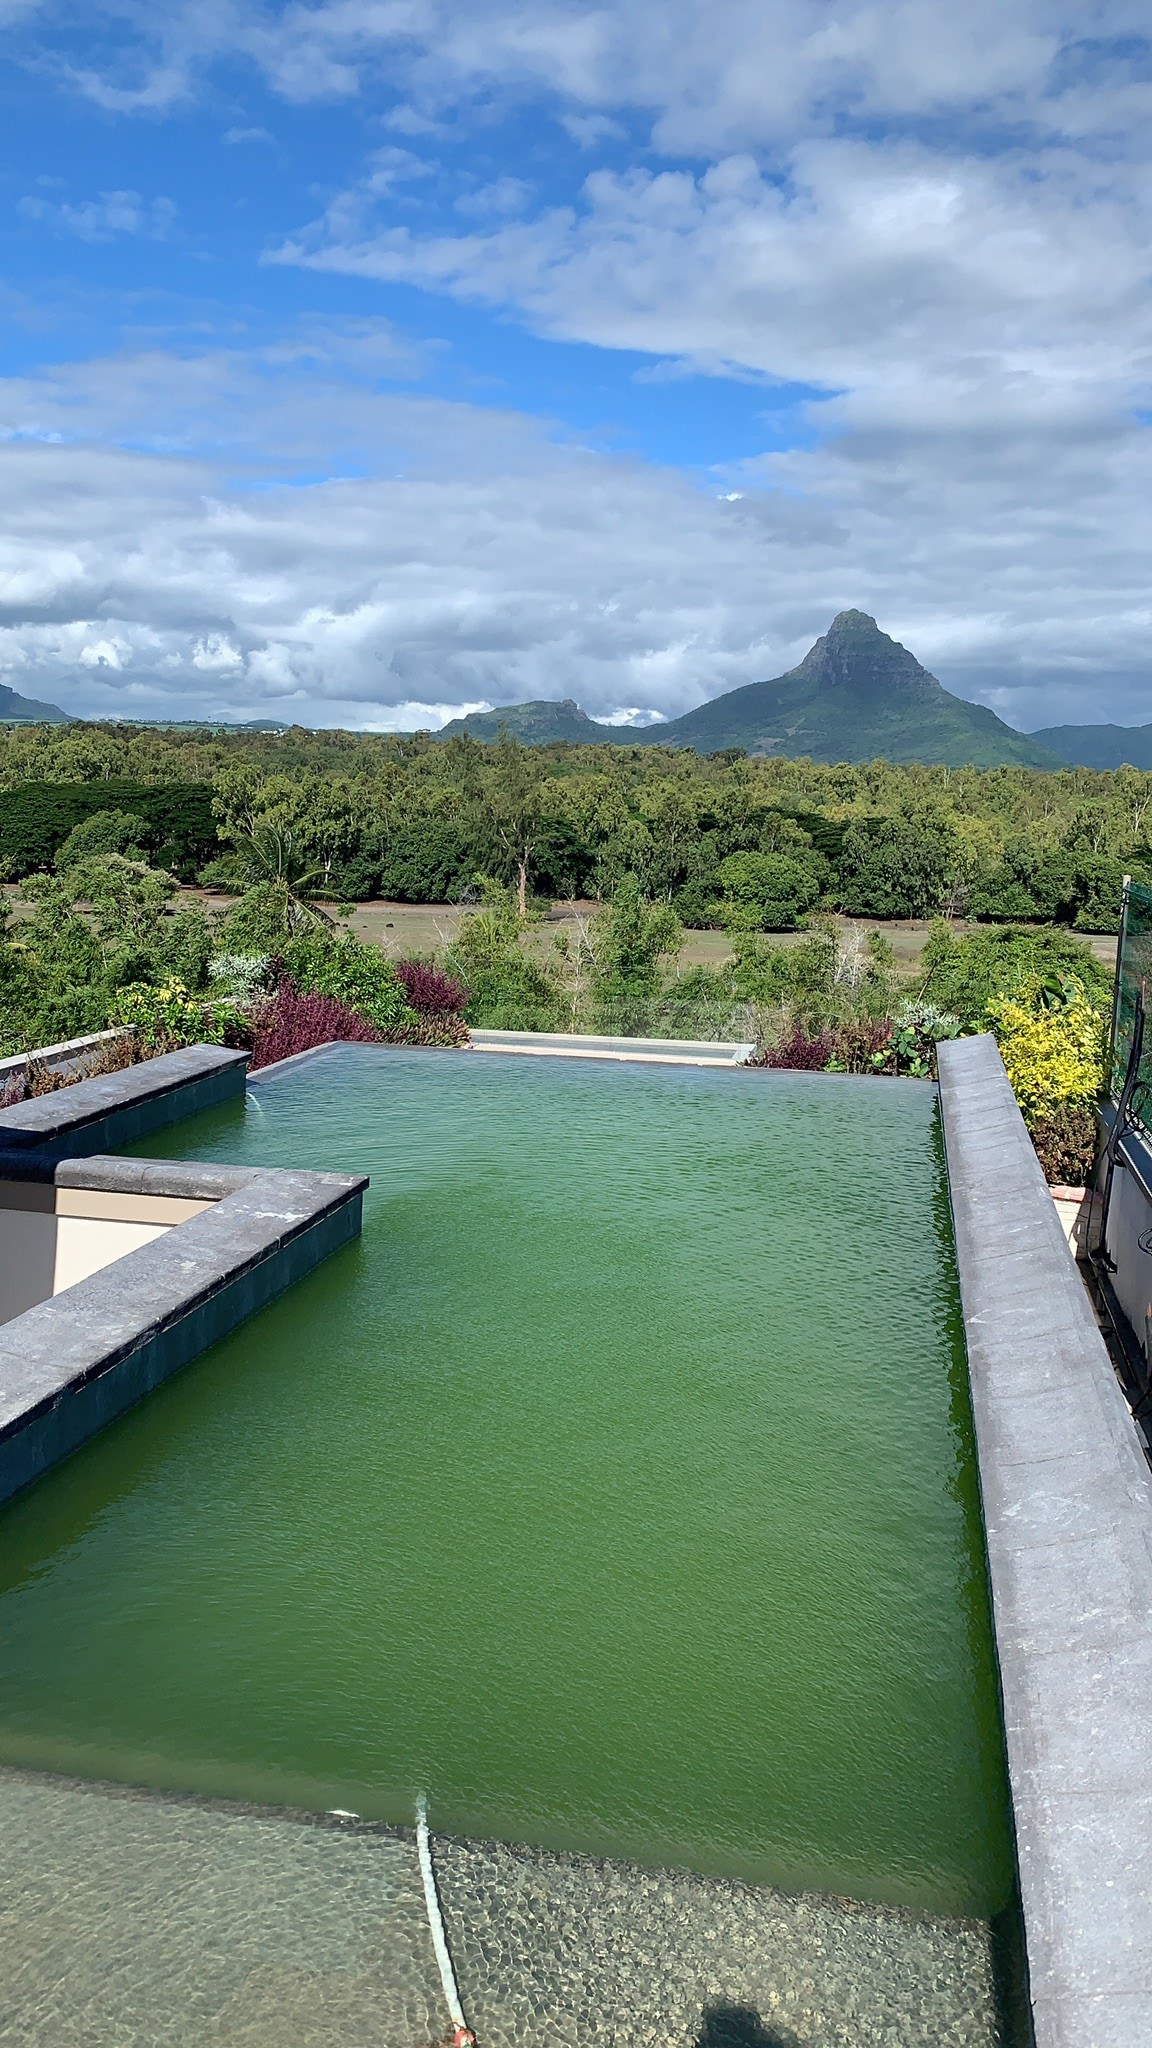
x: 1053, y: 1054
x: 169, y: 1016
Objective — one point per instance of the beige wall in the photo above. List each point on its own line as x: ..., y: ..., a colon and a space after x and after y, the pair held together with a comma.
x: 52, y: 1237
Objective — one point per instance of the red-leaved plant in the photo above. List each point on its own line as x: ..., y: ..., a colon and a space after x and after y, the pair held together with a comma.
x: 428, y: 992
x: 292, y: 1022
x: 808, y: 1050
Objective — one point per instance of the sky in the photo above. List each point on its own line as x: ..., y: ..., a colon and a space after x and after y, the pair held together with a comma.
x: 368, y: 361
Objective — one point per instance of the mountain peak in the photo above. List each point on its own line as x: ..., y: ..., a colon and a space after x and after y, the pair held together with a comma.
x: 856, y: 696
x: 855, y: 654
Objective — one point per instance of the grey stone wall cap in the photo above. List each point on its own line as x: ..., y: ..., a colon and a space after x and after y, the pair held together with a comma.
x: 89, y: 1327
x: 596, y: 1045
x: 51, y: 1119
x: 1067, y: 1500
x: 193, y: 1179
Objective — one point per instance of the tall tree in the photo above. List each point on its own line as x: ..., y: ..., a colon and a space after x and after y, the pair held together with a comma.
x: 514, y: 807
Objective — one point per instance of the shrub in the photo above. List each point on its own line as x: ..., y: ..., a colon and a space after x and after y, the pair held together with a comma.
x: 697, y: 904
x: 295, y: 1020
x: 701, y: 1003
x: 967, y: 975
x: 427, y: 991
x: 630, y: 938
x: 1066, y: 1144
x: 866, y: 1045
x: 507, y: 988
x: 915, y: 1030
x: 256, y: 924
x: 766, y: 891
x: 351, y: 973
x: 242, y: 977
x: 1054, y: 1054
x: 446, y: 1029
x: 808, y: 1051
x: 859, y: 1044
x: 38, y: 1078
x: 763, y: 973
x: 167, y: 1017
x: 103, y: 832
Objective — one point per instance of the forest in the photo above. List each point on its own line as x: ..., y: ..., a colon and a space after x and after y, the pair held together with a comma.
x: 101, y: 825
x: 727, y: 840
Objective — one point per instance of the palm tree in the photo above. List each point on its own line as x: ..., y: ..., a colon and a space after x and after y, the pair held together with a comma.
x: 269, y: 858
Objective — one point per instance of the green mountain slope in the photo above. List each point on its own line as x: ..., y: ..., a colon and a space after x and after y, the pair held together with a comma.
x: 856, y: 696
x: 1099, y: 746
x: 18, y: 710
x: 539, y: 724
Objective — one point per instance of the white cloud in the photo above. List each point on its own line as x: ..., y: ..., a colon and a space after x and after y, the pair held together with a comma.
x: 940, y: 221
x: 104, y: 653
x: 216, y: 654
x: 590, y: 129
x: 482, y: 562
x: 633, y: 715
x: 102, y: 219
x: 734, y: 75
x: 870, y: 265
x: 494, y: 201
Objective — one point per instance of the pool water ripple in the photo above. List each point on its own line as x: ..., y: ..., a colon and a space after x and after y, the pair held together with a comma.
x: 616, y: 1490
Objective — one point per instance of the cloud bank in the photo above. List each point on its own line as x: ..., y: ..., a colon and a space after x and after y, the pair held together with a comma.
x: 938, y: 223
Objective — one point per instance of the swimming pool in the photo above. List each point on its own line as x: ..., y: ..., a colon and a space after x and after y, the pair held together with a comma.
x: 616, y: 1490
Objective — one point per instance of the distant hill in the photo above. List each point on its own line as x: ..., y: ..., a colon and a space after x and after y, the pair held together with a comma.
x: 1099, y: 746
x: 856, y: 696
x: 539, y: 724
x: 18, y: 710
x: 202, y: 724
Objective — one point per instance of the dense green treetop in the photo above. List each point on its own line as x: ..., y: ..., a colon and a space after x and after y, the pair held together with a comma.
x: 409, y: 818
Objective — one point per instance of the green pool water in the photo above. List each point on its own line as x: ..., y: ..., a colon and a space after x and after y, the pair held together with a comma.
x: 616, y: 1490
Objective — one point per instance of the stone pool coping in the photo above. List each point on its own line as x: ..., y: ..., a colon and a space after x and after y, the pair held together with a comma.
x: 111, y: 1110
x: 693, y: 1052
x: 1067, y: 1499
x: 73, y: 1363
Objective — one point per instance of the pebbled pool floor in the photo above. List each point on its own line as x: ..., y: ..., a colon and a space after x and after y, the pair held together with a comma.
x: 132, y: 1921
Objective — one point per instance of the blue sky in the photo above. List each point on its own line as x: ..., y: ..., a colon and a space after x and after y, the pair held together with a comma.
x: 374, y: 358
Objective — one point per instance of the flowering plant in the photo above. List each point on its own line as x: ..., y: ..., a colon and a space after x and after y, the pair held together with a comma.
x: 169, y: 1016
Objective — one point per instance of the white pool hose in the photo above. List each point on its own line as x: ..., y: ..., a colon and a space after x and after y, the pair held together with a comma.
x: 463, y: 2036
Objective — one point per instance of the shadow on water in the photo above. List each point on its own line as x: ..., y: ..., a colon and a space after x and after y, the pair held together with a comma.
x: 735, y: 2026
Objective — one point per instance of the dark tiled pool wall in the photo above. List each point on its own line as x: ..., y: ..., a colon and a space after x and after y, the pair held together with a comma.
x: 71, y: 1364
x: 119, y: 1109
